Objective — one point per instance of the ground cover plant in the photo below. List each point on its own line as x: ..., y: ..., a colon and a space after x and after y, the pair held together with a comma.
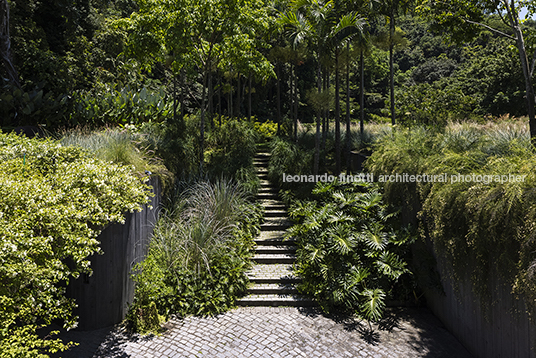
x: 350, y: 253
x: 54, y: 202
x: 483, y: 228
x: 198, y: 255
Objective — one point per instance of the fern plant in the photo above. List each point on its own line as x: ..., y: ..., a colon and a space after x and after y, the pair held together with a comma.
x: 350, y: 256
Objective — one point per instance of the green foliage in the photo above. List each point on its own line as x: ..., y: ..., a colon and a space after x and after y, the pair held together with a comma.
x: 198, y: 253
x: 288, y: 158
x: 33, y: 106
x: 128, y: 146
x: 55, y: 200
x: 120, y: 106
x: 266, y: 130
x: 350, y: 255
x: 483, y: 228
x: 230, y: 147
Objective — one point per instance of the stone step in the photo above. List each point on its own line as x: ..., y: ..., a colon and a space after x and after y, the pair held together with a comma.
x: 272, y: 288
x: 276, y: 300
x: 267, y: 196
x: 274, y: 258
x: 260, y: 163
x: 275, y: 213
x: 273, y: 227
x: 275, y: 224
x: 268, y: 189
x: 272, y: 204
x: 270, y: 238
x: 275, y: 249
x: 273, y: 273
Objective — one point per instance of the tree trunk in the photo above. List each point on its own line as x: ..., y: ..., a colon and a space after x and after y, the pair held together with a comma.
x: 182, y: 84
x: 362, y: 93
x: 202, y: 125
x: 278, y: 100
x: 348, y: 120
x: 230, y: 99
x: 210, y: 100
x: 337, y: 115
x: 238, y: 96
x: 291, y: 109
x: 391, y: 64
x: 219, y: 99
x: 318, y: 119
x: 294, y: 109
x: 249, y: 97
x: 529, y: 87
x: 325, y: 120
x: 175, y: 101
x: 5, y: 44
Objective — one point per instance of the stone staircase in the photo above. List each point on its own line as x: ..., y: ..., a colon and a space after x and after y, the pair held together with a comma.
x: 272, y: 276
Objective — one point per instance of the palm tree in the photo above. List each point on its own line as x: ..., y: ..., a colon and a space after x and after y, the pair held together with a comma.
x: 315, y: 22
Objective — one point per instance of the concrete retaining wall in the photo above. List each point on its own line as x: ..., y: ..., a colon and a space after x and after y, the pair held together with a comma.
x: 103, y: 298
x: 503, y: 330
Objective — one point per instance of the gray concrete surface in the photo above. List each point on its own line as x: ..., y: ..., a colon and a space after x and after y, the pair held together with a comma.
x: 277, y: 332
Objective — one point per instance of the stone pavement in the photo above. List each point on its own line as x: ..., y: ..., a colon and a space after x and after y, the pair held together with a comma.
x: 280, y: 332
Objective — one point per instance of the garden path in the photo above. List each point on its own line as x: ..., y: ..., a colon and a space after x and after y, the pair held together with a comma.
x: 272, y: 277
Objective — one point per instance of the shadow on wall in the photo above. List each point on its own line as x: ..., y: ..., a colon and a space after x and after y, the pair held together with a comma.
x: 103, y: 298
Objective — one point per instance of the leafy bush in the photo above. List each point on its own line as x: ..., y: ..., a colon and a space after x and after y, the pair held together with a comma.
x: 230, y: 147
x: 198, y: 253
x: 288, y: 158
x: 54, y: 202
x: 350, y: 256
x: 120, y: 106
x: 483, y: 228
x: 266, y: 130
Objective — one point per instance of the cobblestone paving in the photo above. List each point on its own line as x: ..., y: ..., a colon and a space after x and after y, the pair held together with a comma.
x: 284, y: 332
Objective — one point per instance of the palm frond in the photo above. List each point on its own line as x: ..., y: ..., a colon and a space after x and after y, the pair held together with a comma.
x: 373, y: 305
x: 342, y: 239
x: 391, y: 265
x: 373, y: 236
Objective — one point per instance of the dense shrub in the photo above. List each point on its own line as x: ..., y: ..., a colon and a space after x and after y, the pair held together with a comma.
x: 54, y: 201
x: 229, y: 147
x: 290, y: 159
x: 198, y: 254
x: 350, y: 255
x: 484, y: 228
x: 109, y: 105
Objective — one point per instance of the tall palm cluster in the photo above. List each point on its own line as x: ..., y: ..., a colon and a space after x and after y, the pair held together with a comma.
x: 331, y: 31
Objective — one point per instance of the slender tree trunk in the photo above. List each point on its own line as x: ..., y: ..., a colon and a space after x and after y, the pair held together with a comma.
x: 202, y: 124
x: 5, y: 44
x: 325, y: 121
x: 175, y: 101
x: 219, y: 99
x: 230, y: 99
x: 291, y: 109
x: 337, y: 115
x: 362, y: 93
x: 278, y: 100
x: 238, y: 96
x: 348, y: 119
x: 182, y: 84
x: 249, y: 97
x: 294, y: 109
x: 210, y: 100
x: 318, y: 119
x: 391, y: 65
x: 529, y: 87
x: 296, y: 102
